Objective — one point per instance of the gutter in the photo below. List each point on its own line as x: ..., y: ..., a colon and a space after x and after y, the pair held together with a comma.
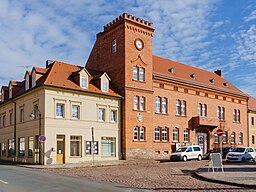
x: 15, y: 132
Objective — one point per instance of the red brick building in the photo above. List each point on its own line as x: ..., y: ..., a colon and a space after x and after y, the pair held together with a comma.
x: 166, y: 103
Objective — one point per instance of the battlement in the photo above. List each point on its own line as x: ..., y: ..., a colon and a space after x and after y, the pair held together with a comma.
x: 126, y: 16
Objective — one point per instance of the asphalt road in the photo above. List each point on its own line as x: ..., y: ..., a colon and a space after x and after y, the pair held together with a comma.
x: 18, y: 179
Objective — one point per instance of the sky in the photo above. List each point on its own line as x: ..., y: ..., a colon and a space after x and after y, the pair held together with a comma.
x: 209, y: 34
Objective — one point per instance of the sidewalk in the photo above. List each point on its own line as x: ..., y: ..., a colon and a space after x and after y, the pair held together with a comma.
x: 236, y: 174
x: 90, y: 164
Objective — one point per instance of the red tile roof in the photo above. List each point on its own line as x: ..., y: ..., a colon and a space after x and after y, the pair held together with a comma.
x: 252, y: 104
x: 184, y: 72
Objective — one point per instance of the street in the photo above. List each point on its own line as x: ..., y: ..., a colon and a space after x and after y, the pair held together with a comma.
x: 18, y: 179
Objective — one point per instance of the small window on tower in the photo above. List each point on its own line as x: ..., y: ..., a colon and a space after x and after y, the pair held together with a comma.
x: 114, y: 46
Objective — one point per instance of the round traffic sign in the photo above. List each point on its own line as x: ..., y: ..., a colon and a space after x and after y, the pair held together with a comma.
x: 42, y: 138
x: 219, y: 132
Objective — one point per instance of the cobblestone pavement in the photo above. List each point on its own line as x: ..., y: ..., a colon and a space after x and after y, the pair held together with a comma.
x: 165, y: 176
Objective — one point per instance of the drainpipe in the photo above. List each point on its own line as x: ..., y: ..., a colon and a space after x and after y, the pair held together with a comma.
x: 248, y: 125
x: 15, y: 132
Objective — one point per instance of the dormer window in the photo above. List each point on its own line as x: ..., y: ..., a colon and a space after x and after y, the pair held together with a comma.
x: 114, y: 46
x: 225, y: 84
x: 84, y: 81
x: 2, y: 95
x: 105, y: 87
x: 171, y: 70
x: 27, y: 82
x: 33, y: 78
x: 10, y: 92
x: 212, y: 80
x: 193, y: 76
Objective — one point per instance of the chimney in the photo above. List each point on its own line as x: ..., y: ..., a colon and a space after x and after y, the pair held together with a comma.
x: 218, y: 72
x: 49, y: 62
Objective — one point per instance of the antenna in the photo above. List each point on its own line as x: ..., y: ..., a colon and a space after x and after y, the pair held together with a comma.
x: 24, y: 66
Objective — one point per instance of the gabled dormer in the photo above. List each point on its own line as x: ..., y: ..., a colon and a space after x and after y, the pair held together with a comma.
x: 27, y: 80
x: 84, y: 78
x: 2, y: 94
x: 104, y: 82
x: 10, y: 89
x: 33, y: 74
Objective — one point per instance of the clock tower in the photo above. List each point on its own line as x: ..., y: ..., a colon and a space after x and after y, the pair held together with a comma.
x: 124, y: 51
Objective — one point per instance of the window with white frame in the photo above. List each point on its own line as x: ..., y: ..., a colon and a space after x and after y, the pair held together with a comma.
x: 135, y: 133
x: 2, y: 94
x: 142, y: 103
x: 139, y: 103
x: 221, y: 113
x: 236, y: 115
x: 181, y: 109
x: 142, y: 74
x: 157, y: 134
x: 10, y: 92
x: 158, y: 106
x: 139, y: 73
x: 105, y: 86
x: 186, y: 138
x: 164, y: 105
x: 75, y: 146
x: 101, y: 114
x: 142, y: 133
x: 175, y: 135
x: 232, y: 138
x: 108, y: 146
x: 135, y: 73
x: 178, y: 107
x: 84, y: 81
x: 21, y: 147
x: 225, y: 137
x: 114, y: 46
x: 113, y: 115
x: 135, y: 102
x: 216, y: 138
x: 60, y: 110
x: 161, y: 105
x: 202, y: 110
x: 165, y: 134
x: 138, y: 133
x: 75, y: 112
x: 240, y: 138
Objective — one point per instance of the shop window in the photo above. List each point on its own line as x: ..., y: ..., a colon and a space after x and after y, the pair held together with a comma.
x: 108, y: 146
x: 75, y: 146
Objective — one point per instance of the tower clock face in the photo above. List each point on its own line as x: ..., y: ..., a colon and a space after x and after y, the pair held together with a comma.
x: 139, y: 44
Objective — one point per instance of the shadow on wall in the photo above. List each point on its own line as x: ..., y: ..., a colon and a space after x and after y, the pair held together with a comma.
x: 48, y: 155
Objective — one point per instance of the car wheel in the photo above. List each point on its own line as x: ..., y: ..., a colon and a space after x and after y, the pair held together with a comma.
x: 243, y: 159
x: 199, y: 158
x: 185, y: 158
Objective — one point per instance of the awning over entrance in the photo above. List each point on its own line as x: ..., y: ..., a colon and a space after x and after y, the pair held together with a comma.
x: 204, y: 122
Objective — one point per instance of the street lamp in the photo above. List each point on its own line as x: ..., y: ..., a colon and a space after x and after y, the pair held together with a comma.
x: 36, y: 112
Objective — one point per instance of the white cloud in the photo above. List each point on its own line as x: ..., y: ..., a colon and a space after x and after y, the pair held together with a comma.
x: 251, y: 17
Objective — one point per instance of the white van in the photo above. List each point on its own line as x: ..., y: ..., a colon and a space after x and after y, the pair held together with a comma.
x: 186, y: 153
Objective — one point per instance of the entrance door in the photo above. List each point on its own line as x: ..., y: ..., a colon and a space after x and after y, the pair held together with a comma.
x: 60, y: 156
x: 201, y: 140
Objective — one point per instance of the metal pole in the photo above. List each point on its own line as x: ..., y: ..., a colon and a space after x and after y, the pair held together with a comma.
x: 40, y: 144
x: 221, y: 145
x: 92, y: 149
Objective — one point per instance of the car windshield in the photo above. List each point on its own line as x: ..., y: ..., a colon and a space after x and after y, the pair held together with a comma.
x: 181, y: 149
x: 239, y: 149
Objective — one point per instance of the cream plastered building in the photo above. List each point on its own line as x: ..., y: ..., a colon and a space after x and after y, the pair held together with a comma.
x: 252, y: 122
x: 73, y: 109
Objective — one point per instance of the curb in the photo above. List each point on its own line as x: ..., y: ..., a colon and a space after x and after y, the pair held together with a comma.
x: 200, y: 177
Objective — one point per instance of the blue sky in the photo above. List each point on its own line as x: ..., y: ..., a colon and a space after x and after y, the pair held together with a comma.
x: 214, y: 34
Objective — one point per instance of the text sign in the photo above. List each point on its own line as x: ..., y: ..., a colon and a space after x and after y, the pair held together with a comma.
x: 215, y: 161
x: 42, y: 138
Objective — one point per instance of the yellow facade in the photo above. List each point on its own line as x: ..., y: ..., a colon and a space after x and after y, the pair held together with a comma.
x: 252, y: 129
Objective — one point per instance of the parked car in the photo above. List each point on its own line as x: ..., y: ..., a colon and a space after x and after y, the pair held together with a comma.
x: 240, y: 154
x: 224, y: 151
x: 187, y: 153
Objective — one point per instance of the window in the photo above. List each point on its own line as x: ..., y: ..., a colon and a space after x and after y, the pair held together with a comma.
x: 138, y: 73
x: 27, y: 84
x: 253, y: 141
x: 60, y: 110
x: 135, y: 102
x: 175, y: 135
x: 158, y: 104
x: 232, y: 138
x: 10, y: 147
x: 216, y: 138
x: 202, y: 110
x: 21, y: 147
x: 157, y: 134
x: 225, y: 137
x: 2, y: 95
x: 165, y: 134
x: 10, y: 92
x: 236, y: 115
x: 164, y: 108
x: 142, y: 74
x: 30, y: 146
x: 196, y: 148
x: 221, y: 113
x: 105, y: 86
x: 3, y: 150
x: 252, y: 120
x: 141, y: 105
x: 36, y: 110
x: 75, y: 146
x: 186, y: 135
x: 88, y: 150
x: 75, y: 111
x: 113, y: 115
x: 11, y: 118
x: 199, y: 109
x: 142, y: 135
x: 21, y: 115
x: 240, y: 138
x: 101, y: 114
x: 135, y: 133
x: 181, y: 107
x: 108, y: 146
x: 84, y: 82
x: 114, y: 46
x: 4, y: 121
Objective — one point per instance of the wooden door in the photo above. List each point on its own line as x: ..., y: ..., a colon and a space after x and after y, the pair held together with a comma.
x: 60, y: 153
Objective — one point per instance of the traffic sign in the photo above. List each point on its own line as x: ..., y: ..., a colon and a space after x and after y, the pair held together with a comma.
x: 42, y: 138
x: 219, y: 132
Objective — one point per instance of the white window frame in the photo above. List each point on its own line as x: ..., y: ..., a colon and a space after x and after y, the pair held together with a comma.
x: 58, y: 113
x: 164, y: 105
x: 216, y: 138
x: 136, y: 133
x: 101, y: 114
x: 113, y: 119
x: 75, y: 116
x: 141, y: 74
x: 114, y: 46
x: 165, y: 134
x: 84, y: 82
x: 186, y: 136
x: 135, y: 73
x: 233, y: 138
x: 175, y: 135
x: 157, y: 133
x: 135, y: 103
x: 240, y: 138
x: 142, y: 103
x: 224, y: 137
x: 158, y: 105
x: 142, y: 134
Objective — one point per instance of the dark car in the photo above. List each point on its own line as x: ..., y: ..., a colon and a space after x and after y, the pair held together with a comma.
x: 225, y: 151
